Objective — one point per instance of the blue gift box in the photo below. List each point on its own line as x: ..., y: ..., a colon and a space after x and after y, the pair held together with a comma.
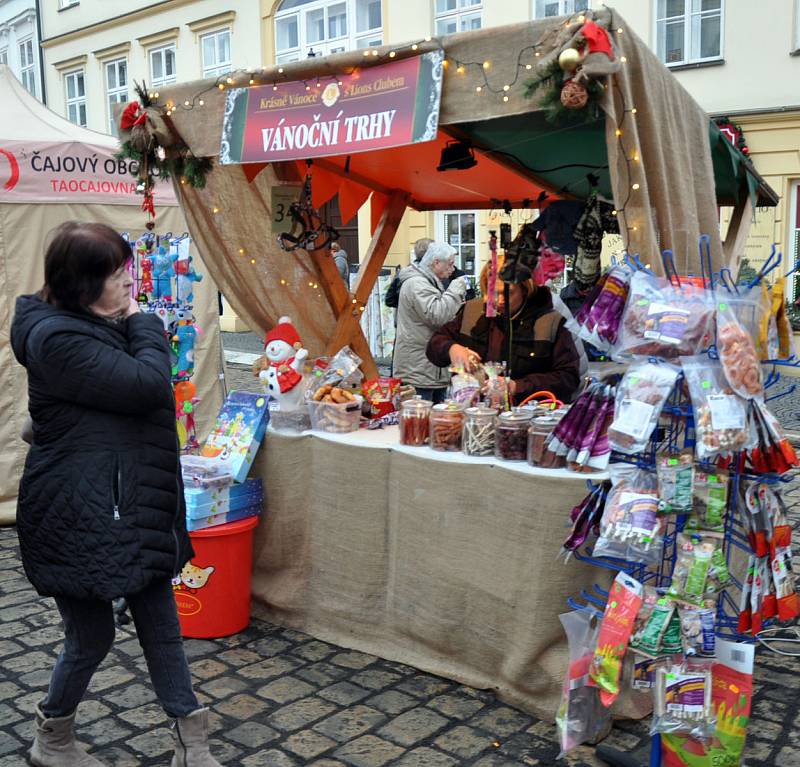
x: 237, y: 433
x: 208, y: 502
x: 222, y: 519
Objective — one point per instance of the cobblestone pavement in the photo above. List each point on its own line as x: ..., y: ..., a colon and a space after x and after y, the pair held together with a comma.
x: 281, y: 698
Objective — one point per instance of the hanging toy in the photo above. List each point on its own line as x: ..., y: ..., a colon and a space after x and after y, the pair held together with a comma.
x: 184, y: 340
x: 163, y: 271
x: 185, y: 276
x: 146, y: 286
x: 185, y: 401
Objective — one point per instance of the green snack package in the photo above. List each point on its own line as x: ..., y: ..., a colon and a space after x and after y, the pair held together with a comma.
x: 719, y: 573
x: 671, y: 643
x: 648, y: 640
x: 695, y: 585
x: 710, y: 501
x: 675, y: 483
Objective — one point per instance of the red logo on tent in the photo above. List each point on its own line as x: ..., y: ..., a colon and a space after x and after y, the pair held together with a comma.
x: 14, y: 176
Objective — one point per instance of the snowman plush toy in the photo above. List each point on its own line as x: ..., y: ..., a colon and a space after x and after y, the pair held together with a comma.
x: 281, y: 364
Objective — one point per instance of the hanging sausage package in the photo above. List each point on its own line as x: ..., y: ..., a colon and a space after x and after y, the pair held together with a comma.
x: 641, y: 395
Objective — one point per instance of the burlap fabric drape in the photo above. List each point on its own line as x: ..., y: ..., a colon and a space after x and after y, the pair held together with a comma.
x: 450, y: 567
x: 675, y: 201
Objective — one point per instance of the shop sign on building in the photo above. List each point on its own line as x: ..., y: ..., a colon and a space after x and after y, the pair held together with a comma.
x: 372, y: 108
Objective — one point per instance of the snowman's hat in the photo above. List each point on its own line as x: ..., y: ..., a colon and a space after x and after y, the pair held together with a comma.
x: 284, y: 331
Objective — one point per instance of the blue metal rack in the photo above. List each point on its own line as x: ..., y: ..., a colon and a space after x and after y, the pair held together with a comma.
x: 672, y: 437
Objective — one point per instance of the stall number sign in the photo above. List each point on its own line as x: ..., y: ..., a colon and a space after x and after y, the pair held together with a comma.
x: 372, y: 108
x: 282, y: 198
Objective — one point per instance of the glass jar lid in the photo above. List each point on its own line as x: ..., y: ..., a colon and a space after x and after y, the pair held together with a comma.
x: 416, y: 405
x: 451, y: 406
x: 518, y: 415
x: 481, y: 411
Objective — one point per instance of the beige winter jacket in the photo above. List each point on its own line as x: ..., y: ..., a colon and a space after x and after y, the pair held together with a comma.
x: 423, y: 308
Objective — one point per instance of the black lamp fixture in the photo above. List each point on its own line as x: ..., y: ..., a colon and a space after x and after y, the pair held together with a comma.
x: 457, y: 155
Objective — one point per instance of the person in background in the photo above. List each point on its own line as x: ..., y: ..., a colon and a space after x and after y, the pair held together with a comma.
x: 540, y: 353
x: 100, y: 512
x: 420, y: 246
x: 342, y: 264
x: 424, y: 306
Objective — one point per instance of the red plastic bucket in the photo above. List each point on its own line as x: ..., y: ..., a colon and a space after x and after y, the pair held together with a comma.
x: 213, y: 590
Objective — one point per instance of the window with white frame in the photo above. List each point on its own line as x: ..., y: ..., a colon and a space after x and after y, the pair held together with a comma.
x: 116, y: 88
x: 67, y: 3
x: 797, y: 25
x: 162, y: 65
x: 794, y: 238
x: 459, y: 228
x: 326, y: 26
x: 27, y: 65
x: 542, y: 9
x: 4, y: 56
x: 215, y: 50
x: 75, y: 86
x: 689, y: 31
x: 457, y: 16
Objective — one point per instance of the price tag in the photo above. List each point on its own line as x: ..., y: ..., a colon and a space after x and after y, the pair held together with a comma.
x: 281, y: 198
x: 726, y: 412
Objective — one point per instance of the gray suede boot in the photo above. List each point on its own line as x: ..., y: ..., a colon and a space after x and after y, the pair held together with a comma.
x: 55, y: 744
x: 190, y: 734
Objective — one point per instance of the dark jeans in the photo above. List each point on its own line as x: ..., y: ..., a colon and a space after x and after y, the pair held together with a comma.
x: 434, y: 395
x: 89, y: 634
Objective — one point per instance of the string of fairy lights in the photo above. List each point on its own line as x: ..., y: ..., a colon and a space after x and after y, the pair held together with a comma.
x: 482, y: 71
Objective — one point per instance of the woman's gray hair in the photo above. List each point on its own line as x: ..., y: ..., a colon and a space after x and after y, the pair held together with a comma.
x: 437, y: 251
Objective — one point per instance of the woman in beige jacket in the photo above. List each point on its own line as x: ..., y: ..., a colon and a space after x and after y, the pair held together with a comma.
x: 424, y: 307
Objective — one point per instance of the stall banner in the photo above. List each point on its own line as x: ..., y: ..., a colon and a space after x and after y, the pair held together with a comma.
x: 372, y: 108
x: 70, y: 172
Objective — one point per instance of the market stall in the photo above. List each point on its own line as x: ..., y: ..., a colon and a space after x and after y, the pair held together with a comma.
x: 54, y: 171
x: 449, y: 564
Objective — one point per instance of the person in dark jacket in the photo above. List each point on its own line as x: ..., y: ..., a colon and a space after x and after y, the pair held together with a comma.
x: 100, y: 513
x: 540, y: 354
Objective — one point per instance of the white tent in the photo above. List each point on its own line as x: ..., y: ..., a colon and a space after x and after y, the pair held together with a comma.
x: 53, y: 171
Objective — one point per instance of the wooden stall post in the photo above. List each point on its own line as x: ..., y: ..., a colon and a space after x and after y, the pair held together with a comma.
x: 738, y: 229
x: 348, y: 327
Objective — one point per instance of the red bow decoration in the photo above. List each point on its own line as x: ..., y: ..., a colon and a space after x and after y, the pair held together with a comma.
x: 597, y: 39
x: 132, y: 116
x: 147, y: 204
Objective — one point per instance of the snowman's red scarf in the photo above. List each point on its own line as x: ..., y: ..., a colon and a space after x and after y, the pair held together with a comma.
x: 288, y: 377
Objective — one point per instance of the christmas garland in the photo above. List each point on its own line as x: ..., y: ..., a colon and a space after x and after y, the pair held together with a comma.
x: 734, y: 132
x: 150, y: 140
x: 549, y: 89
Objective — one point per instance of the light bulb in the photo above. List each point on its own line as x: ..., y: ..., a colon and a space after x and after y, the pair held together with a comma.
x: 635, y: 187
x: 280, y: 70
x: 201, y: 102
x: 414, y: 47
x: 374, y: 53
x: 505, y: 98
x: 529, y: 66
x: 486, y: 64
x: 618, y: 132
x: 274, y: 87
x: 623, y: 59
x: 241, y: 251
x: 215, y: 210
x: 478, y: 88
x: 252, y: 261
x: 428, y: 39
x: 460, y: 69
x: 229, y: 81
x: 506, y: 87
x: 392, y: 54
x: 252, y: 81
x: 221, y: 86
x: 366, y: 53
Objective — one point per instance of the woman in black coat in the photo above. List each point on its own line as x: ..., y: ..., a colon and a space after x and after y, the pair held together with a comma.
x: 100, y: 512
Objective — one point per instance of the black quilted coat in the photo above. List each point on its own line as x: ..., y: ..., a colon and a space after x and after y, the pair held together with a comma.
x: 100, y: 511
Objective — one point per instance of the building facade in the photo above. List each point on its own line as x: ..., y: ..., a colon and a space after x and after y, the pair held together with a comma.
x: 19, y: 43
x: 94, y: 50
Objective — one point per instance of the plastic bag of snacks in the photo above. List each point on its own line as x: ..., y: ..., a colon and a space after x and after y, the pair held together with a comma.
x: 675, y: 481
x: 641, y: 395
x: 737, y: 353
x: 495, y: 390
x: 710, y: 501
x: 661, y: 320
x: 683, y: 700
x: 586, y: 516
x: 631, y: 527
x: 465, y: 387
x: 339, y: 368
x: 701, y: 571
x: 720, y: 415
x: 771, y: 451
x: 381, y: 396
x: 598, y: 320
x: 581, y: 717
x: 698, y: 632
